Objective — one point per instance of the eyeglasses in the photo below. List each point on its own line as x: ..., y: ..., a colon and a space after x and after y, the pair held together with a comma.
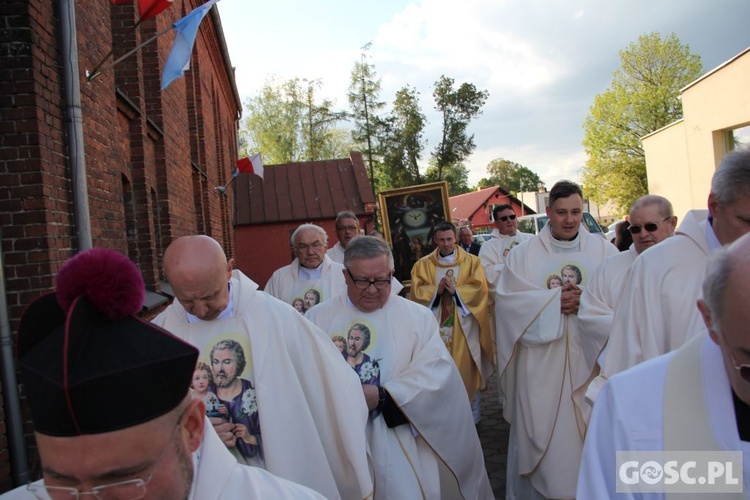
x: 347, y: 228
x: 302, y: 247
x: 743, y: 369
x: 649, y: 226
x: 125, y: 490
x: 365, y: 284
x: 506, y: 217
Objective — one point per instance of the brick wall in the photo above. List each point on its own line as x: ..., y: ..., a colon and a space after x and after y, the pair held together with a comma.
x: 141, y: 145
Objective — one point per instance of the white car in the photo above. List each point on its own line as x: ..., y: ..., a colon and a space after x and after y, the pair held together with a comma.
x: 532, y: 224
x: 610, y: 234
x: 481, y: 238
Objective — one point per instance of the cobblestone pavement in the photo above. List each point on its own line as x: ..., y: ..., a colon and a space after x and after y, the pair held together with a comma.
x: 493, y: 434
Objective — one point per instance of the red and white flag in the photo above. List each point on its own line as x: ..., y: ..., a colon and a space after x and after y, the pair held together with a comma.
x: 251, y: 165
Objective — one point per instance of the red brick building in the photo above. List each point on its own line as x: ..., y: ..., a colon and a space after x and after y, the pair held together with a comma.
x: 268, y: 210
x: 152, y: 158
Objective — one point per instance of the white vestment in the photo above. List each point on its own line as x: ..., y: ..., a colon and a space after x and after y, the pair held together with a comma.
x: 494, y: 252
x: 309, y: 402
x: 541, y: 359
x: 218, y: 476
x: 597, y: 309
x: 628, y: 416
x: 336, y: 253
x: 657, y: 312
x: 406, y: 357
x: 286, y: 285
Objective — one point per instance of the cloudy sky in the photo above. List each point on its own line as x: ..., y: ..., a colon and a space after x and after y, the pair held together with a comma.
x: 542, y: 61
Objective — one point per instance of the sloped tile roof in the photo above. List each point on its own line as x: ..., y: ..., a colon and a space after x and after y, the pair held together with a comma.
x: 464, y: 206
x: 304, y: 191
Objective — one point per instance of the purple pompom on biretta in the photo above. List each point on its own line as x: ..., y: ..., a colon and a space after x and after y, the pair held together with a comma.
x: 110, y: 281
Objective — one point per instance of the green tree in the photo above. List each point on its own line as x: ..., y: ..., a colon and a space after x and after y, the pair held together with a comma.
x: 319, y: 137
x: 642, y: 98
x: 457, y: 107
x: 402, y: 132
x: 288, y: 123
x: 364, y: 94
x: 456, y: 174
x: 510, y: 175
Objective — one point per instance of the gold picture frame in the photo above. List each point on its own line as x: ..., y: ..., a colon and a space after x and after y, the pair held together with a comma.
x: 409, y: 215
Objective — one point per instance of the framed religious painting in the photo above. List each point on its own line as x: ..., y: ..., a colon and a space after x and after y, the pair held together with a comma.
x: 409, y: 215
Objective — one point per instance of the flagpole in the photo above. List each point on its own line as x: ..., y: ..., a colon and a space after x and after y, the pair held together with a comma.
x: 90, y: 77
x: 93, y: 72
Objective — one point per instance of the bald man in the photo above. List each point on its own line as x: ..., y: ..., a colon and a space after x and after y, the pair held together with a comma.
x: 309, y: 403
x: 694, y: 398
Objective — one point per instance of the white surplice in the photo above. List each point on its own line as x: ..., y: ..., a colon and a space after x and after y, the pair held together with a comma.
x: 493, y: 253
x: 657, y: 313
x: 409, y: 360
x: 336, y: 253
x: 286, y: 285
x: 597, y: 308
x: 310, y: 403
x: 629, y: 416
x: 541, y: 359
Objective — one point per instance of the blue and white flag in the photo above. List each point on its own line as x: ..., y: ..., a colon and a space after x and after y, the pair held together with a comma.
x: 179, y: 57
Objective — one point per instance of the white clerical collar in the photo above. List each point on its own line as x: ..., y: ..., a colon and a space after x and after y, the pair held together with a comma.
x: 713, y: 241
x: 228, y: 311
x: 573, y: 245
x: 306, y: 274
x: 448, y: 259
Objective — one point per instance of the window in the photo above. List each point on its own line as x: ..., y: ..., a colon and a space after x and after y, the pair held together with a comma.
x: 737, y: 138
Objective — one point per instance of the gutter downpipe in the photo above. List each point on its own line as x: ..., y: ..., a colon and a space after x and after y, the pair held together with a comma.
x: 14, y: 420
x: 74, y: 123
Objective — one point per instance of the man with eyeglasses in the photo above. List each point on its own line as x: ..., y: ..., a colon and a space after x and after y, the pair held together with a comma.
x: 109, y: 398
x: 347, y: 227
x: 466, y: 240
x: 281, y: 367
x: 653, y: 317
x: 694, y: 398
x: 503, y: 238
x: 312, y: 268
x: 652, y: 221
x: 540, y: 349
x: 422, y: 439
x: 451, y: 283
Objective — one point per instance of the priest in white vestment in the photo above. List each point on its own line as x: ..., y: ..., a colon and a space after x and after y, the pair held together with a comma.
x: 300, y: 406
x: 652, y: 220
x: 420, y: 431
x: 347, y: 227
x: 312, y: 276
x: 541, y: 358
x: 694, y: 398
x: 654, y: 317
x: 109, y: 399
x: 503, y: 238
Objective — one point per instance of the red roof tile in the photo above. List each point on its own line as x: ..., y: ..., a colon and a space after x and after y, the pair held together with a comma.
x: 304, y: 191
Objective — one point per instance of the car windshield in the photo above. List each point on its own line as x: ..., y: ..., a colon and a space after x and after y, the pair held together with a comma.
x: 588, y: 220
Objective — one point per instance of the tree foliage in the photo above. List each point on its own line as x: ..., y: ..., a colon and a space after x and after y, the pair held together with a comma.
x: 642, y: 98
x: 510, y: 175
x: 456, y: 174
x: 286, y: 122
x: 458, y: 107
x: 364, y: 95
x: 402, y: 132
